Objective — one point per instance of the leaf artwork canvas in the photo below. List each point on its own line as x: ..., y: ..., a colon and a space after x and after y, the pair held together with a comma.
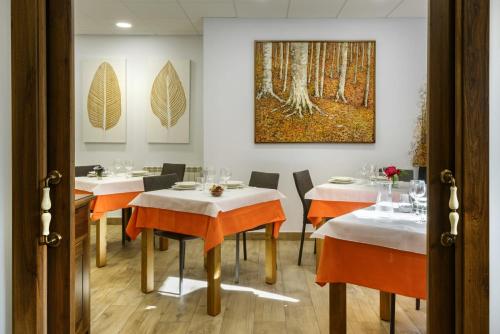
x: 168, y: 103
x: 104, y: 101
x: 315, y: 91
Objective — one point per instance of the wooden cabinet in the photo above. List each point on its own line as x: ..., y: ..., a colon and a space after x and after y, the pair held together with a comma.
x: 82, y: 264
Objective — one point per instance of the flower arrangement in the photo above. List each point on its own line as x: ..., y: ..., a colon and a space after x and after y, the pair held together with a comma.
x: 392, y: 173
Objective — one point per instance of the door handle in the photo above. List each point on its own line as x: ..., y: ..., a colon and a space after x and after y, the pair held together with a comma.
x: 52, y: 239
x: 448, y: 238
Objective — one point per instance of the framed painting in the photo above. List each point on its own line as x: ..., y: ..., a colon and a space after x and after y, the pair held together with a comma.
x: 104, y: 100
x: 167, y: 119
x: 315, y: 91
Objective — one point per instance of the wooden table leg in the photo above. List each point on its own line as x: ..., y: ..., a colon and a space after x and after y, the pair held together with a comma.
x: 385, y: 306
x: 213, y: 280
x: 163, y: 244
x: 147, y: 260
x: 338, y: 310
x: 271, y: 264
x: 100, y: 243
x: 319, y: 245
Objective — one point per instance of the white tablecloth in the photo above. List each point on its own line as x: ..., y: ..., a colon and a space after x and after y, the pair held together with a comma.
x: 359, y: 191
x: 396, y: 230
x: 202, y: 202
x: 109, y: 185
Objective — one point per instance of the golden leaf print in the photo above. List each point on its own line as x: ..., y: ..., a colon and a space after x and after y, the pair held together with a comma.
x: 168, y: 99
x: 104, y: 100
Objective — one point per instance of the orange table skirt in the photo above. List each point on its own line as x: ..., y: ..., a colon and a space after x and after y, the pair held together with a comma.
x: 330, y: 209
x: 375, y: 267
x: 211, y: 229
x: 106, y: 203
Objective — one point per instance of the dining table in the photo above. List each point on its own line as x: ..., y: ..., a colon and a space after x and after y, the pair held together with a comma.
x: 377, y: 249
x: 198, y: 213
x: 110, y: 193
x: 330, y: 200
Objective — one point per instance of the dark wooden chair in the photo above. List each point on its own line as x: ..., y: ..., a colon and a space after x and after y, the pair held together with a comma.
x: 178, y: 169
x: 152, y: 183
x: 260, y: 180
x: 303, y: 183
x: 84, y: 170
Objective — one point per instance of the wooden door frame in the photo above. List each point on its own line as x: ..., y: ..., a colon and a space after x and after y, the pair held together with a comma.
x: 42, y: 140
x: 458, y: 100
x: 43, y: 95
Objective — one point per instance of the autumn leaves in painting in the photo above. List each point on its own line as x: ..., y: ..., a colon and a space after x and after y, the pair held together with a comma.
x: 315, y: 92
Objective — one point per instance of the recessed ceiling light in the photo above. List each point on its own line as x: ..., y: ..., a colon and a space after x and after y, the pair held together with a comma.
x: 124, y: 25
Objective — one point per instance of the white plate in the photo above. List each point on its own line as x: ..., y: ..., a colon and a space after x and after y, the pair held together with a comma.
x: 341, y: 179
x: 185, y: 184
x: 234, y: 183
x: 139, y: 173
x: 176, y: 187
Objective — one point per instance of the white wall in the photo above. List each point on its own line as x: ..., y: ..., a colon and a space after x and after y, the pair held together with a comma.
x: 228, y: 99
x: 5, y: 172
x: 494, y: 166
x: 137, y: 50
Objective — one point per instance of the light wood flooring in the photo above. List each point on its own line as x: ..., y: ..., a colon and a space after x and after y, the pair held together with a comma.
x: 294, y: 305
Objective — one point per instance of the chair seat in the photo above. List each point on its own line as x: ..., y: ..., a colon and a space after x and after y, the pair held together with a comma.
x: 174, y: 236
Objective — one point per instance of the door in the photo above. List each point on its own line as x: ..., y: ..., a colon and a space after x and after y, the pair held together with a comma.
x: 458, y: 140
x: 43, y: 137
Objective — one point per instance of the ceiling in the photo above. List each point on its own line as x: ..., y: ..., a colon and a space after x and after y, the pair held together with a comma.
x: 185, y: 17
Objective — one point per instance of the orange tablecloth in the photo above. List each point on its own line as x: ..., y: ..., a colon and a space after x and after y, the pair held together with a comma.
x: 106, y: 203
x: 329, y: 209
x: 211, y: 229
x: 375, y: 267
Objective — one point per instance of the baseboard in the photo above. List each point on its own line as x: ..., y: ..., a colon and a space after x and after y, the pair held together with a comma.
x: 250, y: 235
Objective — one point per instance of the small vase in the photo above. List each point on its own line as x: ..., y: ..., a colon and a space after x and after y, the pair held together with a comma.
x: 395, y: 181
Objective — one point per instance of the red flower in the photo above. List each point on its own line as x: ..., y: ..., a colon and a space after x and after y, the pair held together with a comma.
x: 391, y: 171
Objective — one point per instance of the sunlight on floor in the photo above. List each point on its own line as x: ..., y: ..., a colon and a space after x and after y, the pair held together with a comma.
x: 171, y: 285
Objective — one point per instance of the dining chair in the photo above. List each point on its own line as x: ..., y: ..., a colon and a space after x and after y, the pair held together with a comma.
x: 178, y: 169
x: 152, y: 183
x: 303, y: 183
x: 422, y: 173
x: 84, y: 170
x: 259, y: 180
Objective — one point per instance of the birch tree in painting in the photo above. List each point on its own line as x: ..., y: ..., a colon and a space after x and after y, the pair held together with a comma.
x: 267, y: 79
x: 281, y: 60
x: 316, y: 68
x: 367, y: 88
x: 287, y: 55
x: 298, y: 101
x: 343, y: 72
x: 310, y: 62
x: 322, y: 83
x: 332, y: 67
x: 356, y: 65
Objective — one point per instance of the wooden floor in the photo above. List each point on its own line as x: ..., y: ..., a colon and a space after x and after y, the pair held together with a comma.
x: 294, y: 305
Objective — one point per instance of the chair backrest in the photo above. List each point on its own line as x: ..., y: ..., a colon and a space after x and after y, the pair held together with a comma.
x: 303, y: 183
x: 178, y: 169
x: 406, y: 175
x: 264, y: 180
x: 422, y: 173
x: 84, y: 170
x: 152, y: 183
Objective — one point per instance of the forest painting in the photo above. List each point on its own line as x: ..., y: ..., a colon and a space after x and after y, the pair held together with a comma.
x: 315, y: 92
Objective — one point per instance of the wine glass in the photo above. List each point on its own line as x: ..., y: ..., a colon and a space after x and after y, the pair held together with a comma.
x: 129, y: 165
x: 225, y: 175
x: 117, y: 166
x: 417, y: 191
x: 365, y: 169
x: 373, y: 173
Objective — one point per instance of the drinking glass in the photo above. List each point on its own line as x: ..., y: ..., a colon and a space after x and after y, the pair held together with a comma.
x: 200, y: 183
x: 417, y: 192
x: 117, y: 166
x: 129, y: 165
x: 224, y: 175
x: 365, y: 169
x: 384, y: 197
